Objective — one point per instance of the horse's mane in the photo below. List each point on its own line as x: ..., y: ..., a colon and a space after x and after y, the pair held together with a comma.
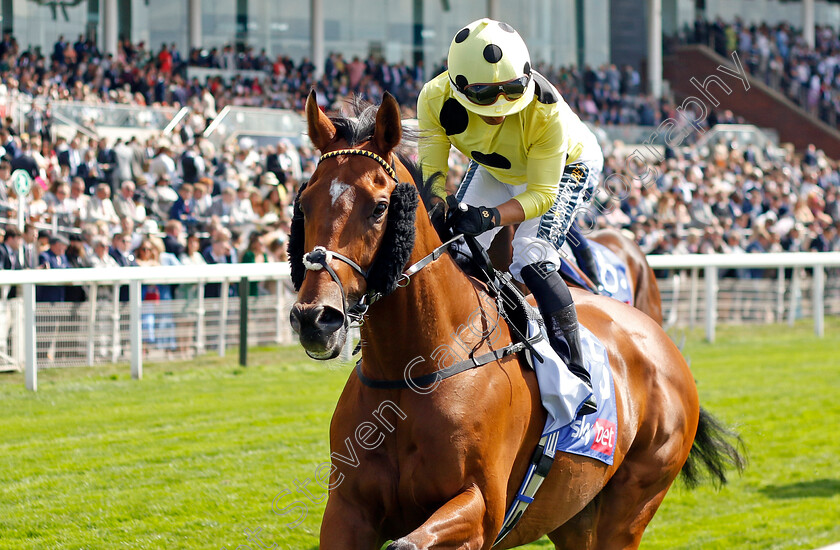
x: 359, y: 128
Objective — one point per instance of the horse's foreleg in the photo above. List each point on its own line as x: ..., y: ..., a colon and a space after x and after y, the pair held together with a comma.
x: 345, y: 527
x: 460, y: 523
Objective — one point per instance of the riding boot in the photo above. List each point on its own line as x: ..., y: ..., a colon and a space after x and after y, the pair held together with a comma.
x: 584, y: 256
x: 558, y: 312
x: 587, y: 262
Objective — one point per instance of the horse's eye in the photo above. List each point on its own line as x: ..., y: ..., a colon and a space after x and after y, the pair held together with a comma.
x: 380, y: 210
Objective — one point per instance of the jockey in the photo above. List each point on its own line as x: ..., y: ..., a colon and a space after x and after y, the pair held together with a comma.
x: 534, y: 165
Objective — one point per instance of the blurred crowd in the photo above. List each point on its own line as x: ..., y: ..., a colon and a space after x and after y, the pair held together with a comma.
x: 139, y: 75
x: 780, y: 56
x: 729, y: 199
x: 181, y: 200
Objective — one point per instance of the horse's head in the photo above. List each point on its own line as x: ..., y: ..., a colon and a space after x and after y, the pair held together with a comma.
x: 353, y: 229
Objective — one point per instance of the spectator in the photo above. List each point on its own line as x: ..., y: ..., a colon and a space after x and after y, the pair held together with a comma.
x: 174, y: 230
x: 162, y: 197
x: 120, y: 252
x: 53, y: 258
x: 125, y: 205
x: 147, y: 256
x: 183, y: 209
x: 25, y: 161
x: 230, y: 210
x: 202, y: 200
x: 162, y: 166
x: 10, y: 250
x: 101, y: 257
x: 101, y: 208
x: 79, y: 201
x: 255, y: 254
x: 219, y: 252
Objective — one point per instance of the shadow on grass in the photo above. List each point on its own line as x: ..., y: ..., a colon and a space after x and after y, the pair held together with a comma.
x: 820, y: 488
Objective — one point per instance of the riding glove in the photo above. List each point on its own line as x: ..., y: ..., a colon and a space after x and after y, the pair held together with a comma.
x: 472, y: 220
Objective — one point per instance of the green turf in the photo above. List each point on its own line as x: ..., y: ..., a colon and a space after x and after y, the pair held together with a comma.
x: 195, y: 454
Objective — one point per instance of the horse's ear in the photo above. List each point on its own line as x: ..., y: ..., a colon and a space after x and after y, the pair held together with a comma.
x: 321, y: 129
x: 388, y: 125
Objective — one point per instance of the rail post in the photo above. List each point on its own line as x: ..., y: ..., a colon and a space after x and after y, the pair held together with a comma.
x: 223, y: 317
x: 199, y: 320
x: 115, y: 324
x: 135, y: 328
x: 243, y: 321
x: 675, y: 299
x: 780, y: 295
x: 710, y: 273
x: 795, y: 291
x: 29, y: 336
x: 92, y: 336
x: 818, y: 297
x: 284, y: 331
x: 692, y: 297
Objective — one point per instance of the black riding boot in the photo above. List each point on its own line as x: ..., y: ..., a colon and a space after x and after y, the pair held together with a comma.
x: 586, y: 261
x: 558, y: 312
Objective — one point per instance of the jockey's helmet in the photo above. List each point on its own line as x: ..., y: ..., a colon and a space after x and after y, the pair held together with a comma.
x: 490, y: 69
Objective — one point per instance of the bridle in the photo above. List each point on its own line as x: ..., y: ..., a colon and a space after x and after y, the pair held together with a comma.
x: 321, y: 258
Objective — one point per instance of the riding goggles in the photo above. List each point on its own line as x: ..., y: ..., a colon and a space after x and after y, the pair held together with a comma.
x: 487, y: 94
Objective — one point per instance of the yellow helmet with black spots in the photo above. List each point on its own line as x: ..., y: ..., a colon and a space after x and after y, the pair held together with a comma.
x: 490, y: 69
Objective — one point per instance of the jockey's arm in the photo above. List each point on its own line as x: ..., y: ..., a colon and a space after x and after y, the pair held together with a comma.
x: 546, y: 161
x: 433, y: 146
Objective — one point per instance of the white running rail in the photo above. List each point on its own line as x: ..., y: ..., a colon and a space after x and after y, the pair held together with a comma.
x: 103, y: 329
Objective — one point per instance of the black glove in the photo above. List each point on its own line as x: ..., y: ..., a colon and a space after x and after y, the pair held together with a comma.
x: 472, y: 220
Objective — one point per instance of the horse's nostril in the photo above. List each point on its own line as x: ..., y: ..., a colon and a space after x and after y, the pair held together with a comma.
x: 294, y: 318
x: 329, y: 319
x: 323, y: 319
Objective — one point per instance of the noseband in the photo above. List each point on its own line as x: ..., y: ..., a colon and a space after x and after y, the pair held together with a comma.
x: 320, y: 258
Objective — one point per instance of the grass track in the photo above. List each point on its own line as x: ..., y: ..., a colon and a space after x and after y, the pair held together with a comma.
x: 193, y: 456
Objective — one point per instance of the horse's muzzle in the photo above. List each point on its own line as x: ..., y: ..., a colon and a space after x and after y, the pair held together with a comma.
x: 321, y: 329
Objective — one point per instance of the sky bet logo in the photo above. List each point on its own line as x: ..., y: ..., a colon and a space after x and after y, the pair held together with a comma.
x: 604, y: 436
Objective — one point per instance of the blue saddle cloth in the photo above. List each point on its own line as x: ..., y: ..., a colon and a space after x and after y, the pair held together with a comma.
x: 593, y: 435
x: 611, y: 269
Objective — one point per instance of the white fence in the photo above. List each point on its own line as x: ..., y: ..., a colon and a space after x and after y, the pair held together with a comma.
x: 103, y: 329
x: 762, y: 288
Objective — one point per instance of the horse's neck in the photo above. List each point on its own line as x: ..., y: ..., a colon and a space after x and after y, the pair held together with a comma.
x: 414, y: 321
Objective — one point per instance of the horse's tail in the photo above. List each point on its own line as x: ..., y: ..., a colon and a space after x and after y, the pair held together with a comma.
x: 716, y: 449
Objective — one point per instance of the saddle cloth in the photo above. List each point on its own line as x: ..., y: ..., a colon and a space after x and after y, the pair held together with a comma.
x: 611, y: 269
x: 562, y: 393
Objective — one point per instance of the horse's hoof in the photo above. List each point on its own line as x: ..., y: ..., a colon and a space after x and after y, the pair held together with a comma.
x: 402, y: 545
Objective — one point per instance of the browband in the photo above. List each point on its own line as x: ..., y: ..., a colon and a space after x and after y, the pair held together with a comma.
x: 370, y: 154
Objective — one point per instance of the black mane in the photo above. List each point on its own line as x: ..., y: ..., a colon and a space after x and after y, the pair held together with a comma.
x: 359, y: 129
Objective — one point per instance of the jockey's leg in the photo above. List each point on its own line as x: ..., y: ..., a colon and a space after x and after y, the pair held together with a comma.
x: 561, y: 323
x: 536, y: 261
x: 584, y: 256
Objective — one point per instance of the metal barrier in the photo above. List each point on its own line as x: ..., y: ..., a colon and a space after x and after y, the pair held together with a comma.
x: 103, y: 329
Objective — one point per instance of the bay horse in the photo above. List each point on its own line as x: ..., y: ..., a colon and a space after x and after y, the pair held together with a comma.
x: 646, y: 295
x: 437, y: 469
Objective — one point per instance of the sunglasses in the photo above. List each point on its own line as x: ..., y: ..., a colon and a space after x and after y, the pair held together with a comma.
x: 487, y: 94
